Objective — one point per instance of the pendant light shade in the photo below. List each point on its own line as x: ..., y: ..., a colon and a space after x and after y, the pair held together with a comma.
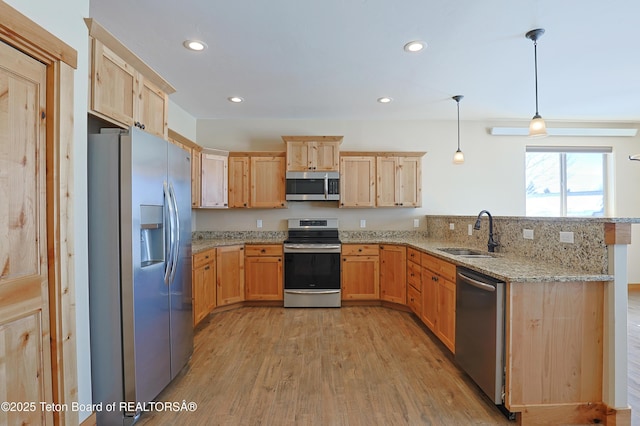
x: 458, y: 156
x: 537, y: 127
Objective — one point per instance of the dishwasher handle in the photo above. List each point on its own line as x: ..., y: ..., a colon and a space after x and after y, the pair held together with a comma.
x: 476, y: 283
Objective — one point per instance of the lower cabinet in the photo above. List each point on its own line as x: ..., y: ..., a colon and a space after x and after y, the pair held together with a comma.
x: 203, y: 284
x: 230, y: 275
x: 393, y: 273
x: 414, y: 281
x: 360, y: 268
x: 439, y: 298
x: 263, y: 272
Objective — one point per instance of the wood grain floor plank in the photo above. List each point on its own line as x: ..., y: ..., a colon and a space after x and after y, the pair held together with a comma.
x: 351, y: 366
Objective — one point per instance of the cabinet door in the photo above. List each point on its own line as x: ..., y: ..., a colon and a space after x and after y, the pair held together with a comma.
x: 204, y: 291
x: 263, y: 278
x: 230, y: 275
x: 113, y: 85
x: 357, y: 182
x: 393, y: 273
x: 196, y: 178
x: 429, y: 299
x: 410, y: 181
x: 152, y: 108
x: 360, y: 277
x: 214, y: 180
x: 387, y: 182
x: 326, y: 156
x: 238, y: 181
x: 446, y: 324
x: 299, y: 156
x: 267, y: 175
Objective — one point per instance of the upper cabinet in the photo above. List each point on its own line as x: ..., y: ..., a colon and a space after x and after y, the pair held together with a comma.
x: 357, y: 181
x: 123, y: 89
x: 313, y: 153
x: 257, y: 180
x: 214, y: 174
x: 196, y: 154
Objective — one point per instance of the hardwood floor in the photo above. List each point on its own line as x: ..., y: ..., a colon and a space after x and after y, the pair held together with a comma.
x: 354, y: 365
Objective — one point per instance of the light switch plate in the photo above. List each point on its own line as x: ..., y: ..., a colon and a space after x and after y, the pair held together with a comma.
x: 527, y: 234
x: 363, y: 223
x: 452, y: 226
x: 416, y: 223
x: 566, y: 237
x: 259, y: 223
x: 470, y: 230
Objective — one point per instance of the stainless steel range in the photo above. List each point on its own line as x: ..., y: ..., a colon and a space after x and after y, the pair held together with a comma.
x: 312, y: 264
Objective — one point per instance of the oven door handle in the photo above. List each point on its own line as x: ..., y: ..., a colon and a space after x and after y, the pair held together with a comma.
x: 312, y: 291
x: 312, y: 248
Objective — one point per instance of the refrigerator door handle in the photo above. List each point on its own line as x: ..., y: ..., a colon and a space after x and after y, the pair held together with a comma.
x: 176, y: 230
x: 169, y: 232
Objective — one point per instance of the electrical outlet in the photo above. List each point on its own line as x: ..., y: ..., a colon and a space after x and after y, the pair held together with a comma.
x: 363, y: 223
x: 566, y: 237
x: 452, y: 226
x: 527, y: 234
x: 259, y: 223
x: 470, y: 229
x: 416, y: 223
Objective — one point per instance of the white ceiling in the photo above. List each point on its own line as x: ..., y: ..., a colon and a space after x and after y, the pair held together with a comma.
x: 331, y: 59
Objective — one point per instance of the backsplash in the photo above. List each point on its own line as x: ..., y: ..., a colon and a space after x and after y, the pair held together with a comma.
x: 588, y: 253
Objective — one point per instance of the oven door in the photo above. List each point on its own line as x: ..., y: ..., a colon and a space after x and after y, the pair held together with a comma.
x: 311, y: 278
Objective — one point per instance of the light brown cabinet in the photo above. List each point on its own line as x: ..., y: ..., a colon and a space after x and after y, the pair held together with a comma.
x: 203, y: 284
x: 263, y: 272
x: 229, y: 275
x: 196, y: 154
x: 214, y: 179
x: 399, y: 182
x: 439, y: 298
x: 313, y: 153
x: 257, y: 180
x: 414, y: 281
x: 357, y: 181
x: 393, y: 273
x: 123, y: 95
x: 360, y: 274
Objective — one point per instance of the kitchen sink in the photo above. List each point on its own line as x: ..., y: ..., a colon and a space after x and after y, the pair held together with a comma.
x: 465, y: 252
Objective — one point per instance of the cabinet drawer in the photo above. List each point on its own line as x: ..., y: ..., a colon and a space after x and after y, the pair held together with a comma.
x: 360, y: 249
x: 203, y: 258
x: 445, y: 269
x: 414, y: 273
x: 414, y: 300
x: 263, y: 250
x: 413, y: 255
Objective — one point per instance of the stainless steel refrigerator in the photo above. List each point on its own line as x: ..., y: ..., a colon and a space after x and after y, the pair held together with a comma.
x: 139, y: 195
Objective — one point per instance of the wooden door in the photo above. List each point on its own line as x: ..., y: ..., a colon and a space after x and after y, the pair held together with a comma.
x: 360, y: 277
x: 357, y: 181
x: 267, y: 176
x: 387, y: 182
x: 429, y: 298
x: 410, y: 181
x: 214, y: 180
x: 152, y: 109
x: 113, y: 85
x: 263, y: 278
x: 238, y: 182
x: 230, y: 275
x: 327, y: 156
x: 393, y: 273
x: 25, y: 351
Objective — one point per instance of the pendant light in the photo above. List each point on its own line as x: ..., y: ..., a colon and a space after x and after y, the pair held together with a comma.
x: 537, y: 127
x: 458, y: 157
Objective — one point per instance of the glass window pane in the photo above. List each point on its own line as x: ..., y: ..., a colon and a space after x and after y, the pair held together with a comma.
x: 543, y: 184
x: 585, y: 184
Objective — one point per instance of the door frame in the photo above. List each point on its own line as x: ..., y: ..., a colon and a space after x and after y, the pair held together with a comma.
x: 25, y: 35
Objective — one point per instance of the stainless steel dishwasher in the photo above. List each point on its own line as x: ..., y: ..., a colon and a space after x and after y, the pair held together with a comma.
x: 480, y: 301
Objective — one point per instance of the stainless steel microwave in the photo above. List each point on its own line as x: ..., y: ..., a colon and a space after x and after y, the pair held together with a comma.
x: 313, y: 186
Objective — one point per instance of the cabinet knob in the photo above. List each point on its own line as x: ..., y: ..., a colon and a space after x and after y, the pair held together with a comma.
x: 244, y: 205
x: 206, y: 268
x: 263, y: 251
x: 359, y: 249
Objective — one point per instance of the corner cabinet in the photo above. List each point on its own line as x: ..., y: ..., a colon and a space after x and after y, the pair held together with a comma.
x: 393, y: 273
x: 123, y: 89
x: 229, y: 275
x: 257, y: 180
x: 203, y: 284
x: 214, y: 179
x: 313, y: 153
x: 196, y: 159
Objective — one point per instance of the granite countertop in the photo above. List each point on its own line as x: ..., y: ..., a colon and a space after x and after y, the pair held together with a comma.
x: 508, y: 268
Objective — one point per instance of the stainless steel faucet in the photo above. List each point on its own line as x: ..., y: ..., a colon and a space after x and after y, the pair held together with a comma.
x: 491, y: 245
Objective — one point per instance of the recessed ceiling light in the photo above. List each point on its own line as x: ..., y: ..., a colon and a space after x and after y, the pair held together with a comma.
x: 235, y: 99
x: 195, y: 45
x: 384, y: 100
x: 415, y: 46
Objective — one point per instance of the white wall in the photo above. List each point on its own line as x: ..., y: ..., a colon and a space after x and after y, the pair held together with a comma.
x: 491, y: 178
x: 65, y: 21
x: 181, y: 121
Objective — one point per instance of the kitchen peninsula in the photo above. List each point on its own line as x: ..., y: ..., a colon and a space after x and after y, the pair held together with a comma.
x: 564, y: 307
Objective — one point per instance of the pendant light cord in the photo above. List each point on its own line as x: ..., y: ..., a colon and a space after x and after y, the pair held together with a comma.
x: 458, y: 102
x: 535, y: 61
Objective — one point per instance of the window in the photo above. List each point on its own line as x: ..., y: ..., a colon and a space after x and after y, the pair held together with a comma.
x: 566, y: 181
